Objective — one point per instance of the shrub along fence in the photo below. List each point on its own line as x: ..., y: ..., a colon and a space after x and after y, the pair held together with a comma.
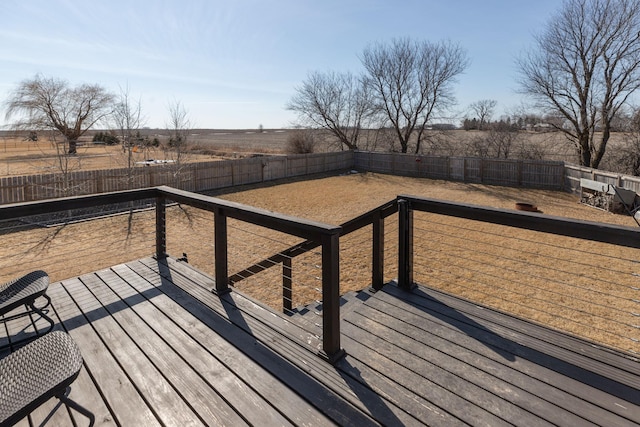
x: 204, y: 176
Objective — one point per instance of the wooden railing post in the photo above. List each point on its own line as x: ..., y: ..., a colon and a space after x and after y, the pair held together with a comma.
x: 287, y: 285
x: 331, y: 297
x: 220, y: 252
x: 405, y: 245
x: 377, y: 279
x: 161, y: 227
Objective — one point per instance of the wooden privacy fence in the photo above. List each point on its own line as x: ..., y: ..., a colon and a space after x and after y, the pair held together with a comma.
x: 519, y: 173
x: 193, y: 177
x: 198, y: 177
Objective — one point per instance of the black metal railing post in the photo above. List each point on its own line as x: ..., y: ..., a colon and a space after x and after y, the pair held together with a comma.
x: 377, y: 270
x: 331, y: 297
x: 287, y: 285
x: 220, y: 252
x: 161, y: 227
x: 405, y: 245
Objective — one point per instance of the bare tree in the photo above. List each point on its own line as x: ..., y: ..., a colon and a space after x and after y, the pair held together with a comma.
x: 337, y: 102
x: 179, y: 126
x: 412, y: 81
x: 44, y: 103
x: 585, y: 66
x: 127, y: 115
x: 483, y: 110
x: 626, y: 157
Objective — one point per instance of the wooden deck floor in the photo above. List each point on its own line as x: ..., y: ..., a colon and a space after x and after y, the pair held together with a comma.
x: 160, y: 349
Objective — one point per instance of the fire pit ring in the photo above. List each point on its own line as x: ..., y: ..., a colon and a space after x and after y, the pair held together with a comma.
x: 524, y: 206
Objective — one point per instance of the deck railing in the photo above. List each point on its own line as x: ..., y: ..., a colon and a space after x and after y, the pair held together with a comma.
x: 374, y: 218
x: 576, y: 276
x: 322, y: 235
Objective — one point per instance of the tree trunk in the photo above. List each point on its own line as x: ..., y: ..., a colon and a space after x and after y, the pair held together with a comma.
x: 599, y: 154
x: 584, y: 150
x: 73, y: 146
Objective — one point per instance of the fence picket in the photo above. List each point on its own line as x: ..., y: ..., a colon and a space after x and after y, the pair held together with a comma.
x: 213, y: 175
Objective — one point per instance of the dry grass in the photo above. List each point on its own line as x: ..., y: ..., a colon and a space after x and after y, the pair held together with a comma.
x: 586, y: 288
x: 20, y: 157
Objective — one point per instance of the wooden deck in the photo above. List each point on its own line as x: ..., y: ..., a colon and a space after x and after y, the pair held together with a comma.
x: 160, y: 349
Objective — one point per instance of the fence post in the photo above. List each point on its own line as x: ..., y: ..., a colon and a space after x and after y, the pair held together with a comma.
x: 287, y: 285
x: 161, y: 227
x: 220, y: 252
x: 405, y: 245
x: 464, y: 169
x: 520, y: 165
x: 377, y: 279
x: 331, y: 297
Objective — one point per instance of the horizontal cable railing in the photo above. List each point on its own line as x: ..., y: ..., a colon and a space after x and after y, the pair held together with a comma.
x: 216, y: 228
x: 72, y: 242
x: 362, y: 243
x: 574, y: 276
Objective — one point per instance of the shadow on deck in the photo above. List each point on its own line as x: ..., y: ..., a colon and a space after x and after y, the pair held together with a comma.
x: 161, y: 349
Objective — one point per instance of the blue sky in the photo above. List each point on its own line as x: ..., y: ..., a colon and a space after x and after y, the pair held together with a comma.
x: 236, y: 63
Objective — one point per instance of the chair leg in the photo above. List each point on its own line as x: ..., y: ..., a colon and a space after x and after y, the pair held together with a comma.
x: 41, y: 312
x: 45, y: 296
x: 64, y: 398
x: 30, y: 308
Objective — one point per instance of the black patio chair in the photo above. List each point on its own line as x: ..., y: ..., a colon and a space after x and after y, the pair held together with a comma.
x: 25, y: 291
x: 33, y: 374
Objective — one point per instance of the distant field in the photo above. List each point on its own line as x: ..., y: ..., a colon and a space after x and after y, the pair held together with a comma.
x: 20, y: 157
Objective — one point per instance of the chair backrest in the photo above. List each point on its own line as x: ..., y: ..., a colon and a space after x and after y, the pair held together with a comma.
x: 22, y: 290
x: 35, y: 373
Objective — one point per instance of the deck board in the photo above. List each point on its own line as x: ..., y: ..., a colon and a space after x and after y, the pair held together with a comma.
x: 470, y: 379
x: 126, y: 405
x: 221, y: 364
x: 261, y: 321
x: 300, y: 371
x: 169, y: 359
x: 516, y: 341
x: 161, y: 349
x: 261, y: 362
x: 518, y: 374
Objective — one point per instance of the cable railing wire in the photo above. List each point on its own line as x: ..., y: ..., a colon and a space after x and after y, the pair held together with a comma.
x: 540, y: 266
x: 556, y: 248
x: 466, y: 262
x: 100, y: 243
x: 586, y: 329
x: 546, y: 301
